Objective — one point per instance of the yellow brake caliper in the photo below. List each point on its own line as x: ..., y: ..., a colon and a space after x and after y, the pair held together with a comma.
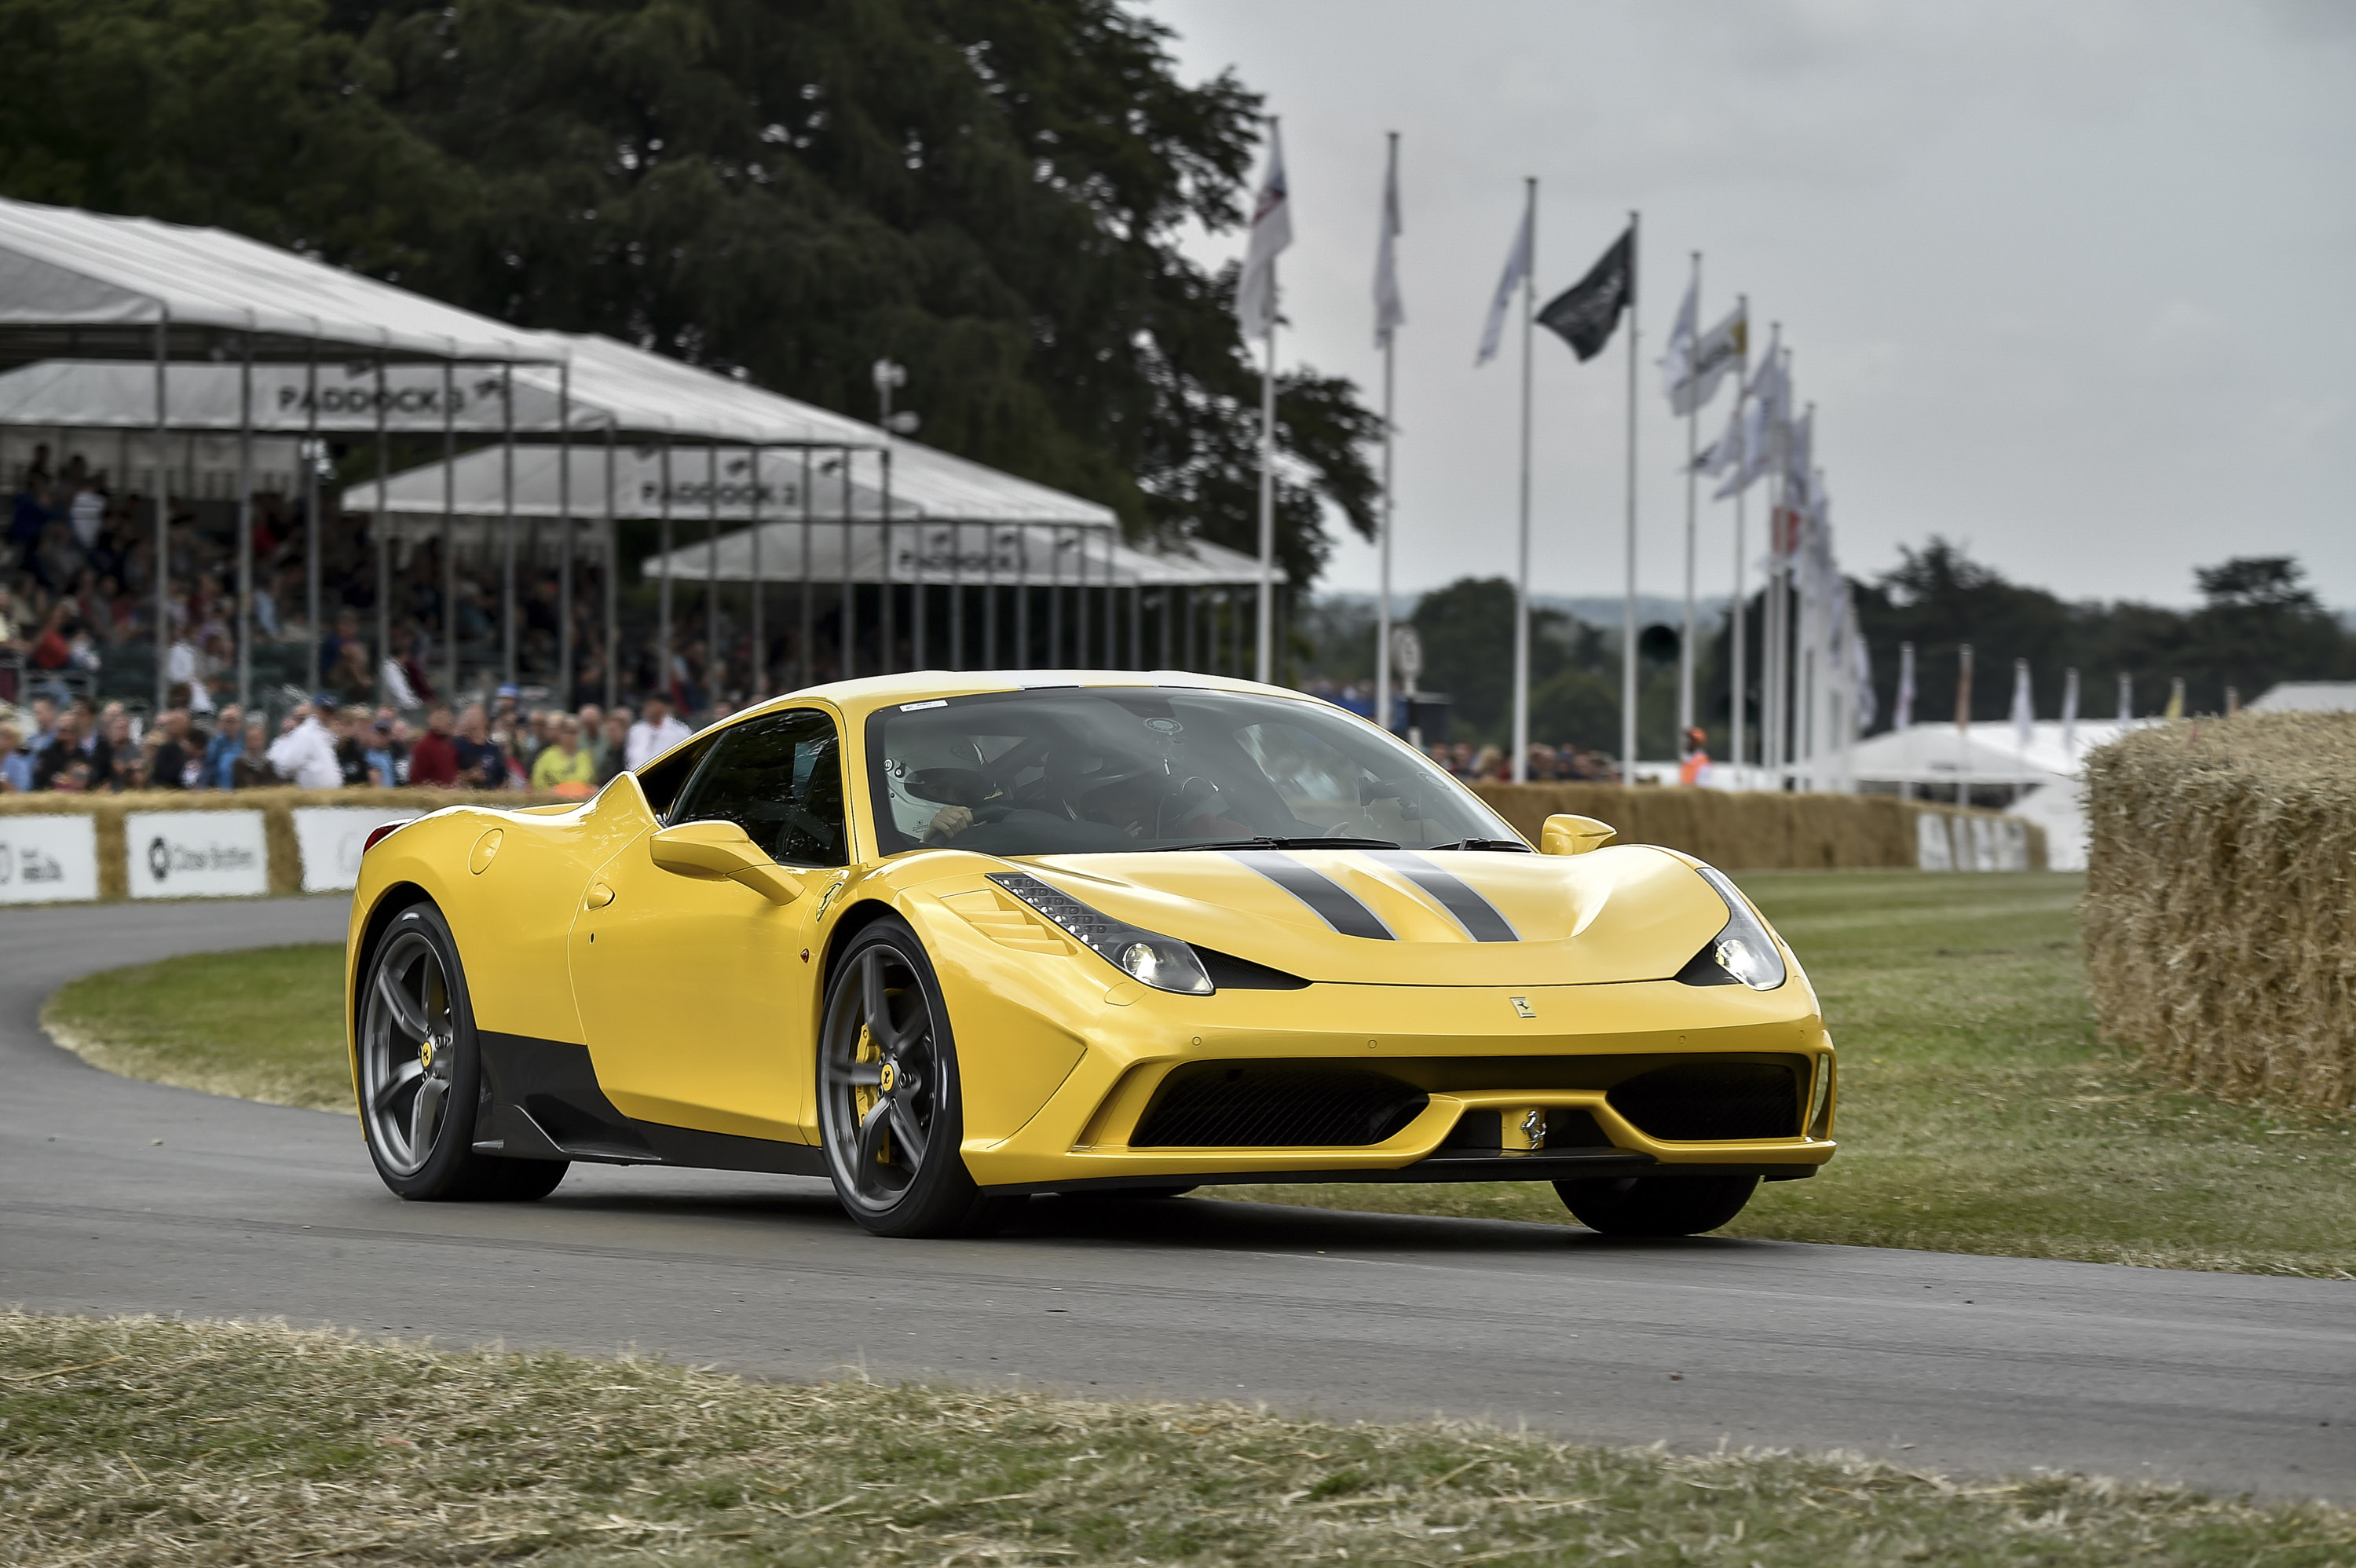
x: 864, y: 1096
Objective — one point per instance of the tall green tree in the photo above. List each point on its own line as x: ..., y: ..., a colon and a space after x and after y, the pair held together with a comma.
x: 989, y: 191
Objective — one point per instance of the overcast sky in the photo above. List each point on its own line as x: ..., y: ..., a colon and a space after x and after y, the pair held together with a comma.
x: 2069, y: 283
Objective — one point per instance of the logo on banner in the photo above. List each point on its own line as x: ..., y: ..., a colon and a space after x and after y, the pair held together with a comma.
x: 30, y: 864
x: 165, y: 857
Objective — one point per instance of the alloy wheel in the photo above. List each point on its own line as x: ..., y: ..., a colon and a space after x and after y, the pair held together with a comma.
x: 880, y: 1077
x: 408, y: 1053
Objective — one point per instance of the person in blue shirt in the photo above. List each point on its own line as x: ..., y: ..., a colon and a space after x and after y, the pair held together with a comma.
x: 224, y: 750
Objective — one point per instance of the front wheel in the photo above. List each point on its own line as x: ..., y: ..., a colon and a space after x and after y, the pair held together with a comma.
x: 1656, y: 1205
x: 420, y: 1072
x: 889, y: 1113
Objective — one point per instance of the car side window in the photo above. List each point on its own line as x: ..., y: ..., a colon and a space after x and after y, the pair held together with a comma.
x: 661, y: 780
x: 779, y: 778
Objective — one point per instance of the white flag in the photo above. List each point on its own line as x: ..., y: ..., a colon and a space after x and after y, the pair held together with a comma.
x: 1725, y: 451
x: 1390, y: 311
x: 1518, y: 267
x: 2024, y: 711
x: 1677, y: 357
x: 1765, y: 400
x: 1799, y: 453
x: 1714, y: 356
x: 2070, y: 714
x: 1860, y: 674
x: 1272, y: 231
x: 1905, y: 687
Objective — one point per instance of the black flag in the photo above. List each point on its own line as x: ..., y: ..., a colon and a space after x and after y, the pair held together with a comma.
x: 1584, y: 313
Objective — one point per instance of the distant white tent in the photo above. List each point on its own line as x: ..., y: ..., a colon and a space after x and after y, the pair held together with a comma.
x: 82, y: 284
x: 2308, y: 696
x: 707, y: 480
x: 968, y: 555
x: 1934, y: 757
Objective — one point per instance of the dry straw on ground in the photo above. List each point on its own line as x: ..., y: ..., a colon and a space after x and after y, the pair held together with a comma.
x: 2220, y: 902
x: 1742, y: 830
x: 133, y: 1442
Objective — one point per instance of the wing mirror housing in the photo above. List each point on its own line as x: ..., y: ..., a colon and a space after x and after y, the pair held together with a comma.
x: 1565, y: 834
x: 722, y: 851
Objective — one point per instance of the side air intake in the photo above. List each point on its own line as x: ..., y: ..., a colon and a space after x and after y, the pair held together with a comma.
x: 1225, y: 1106
x: 1709, y: 1102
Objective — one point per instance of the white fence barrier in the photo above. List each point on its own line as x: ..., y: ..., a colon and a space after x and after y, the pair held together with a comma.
x: 196, y: 854
x: 49, y: 859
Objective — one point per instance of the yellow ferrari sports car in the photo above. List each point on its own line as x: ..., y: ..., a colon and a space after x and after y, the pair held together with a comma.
x: 952, y: 941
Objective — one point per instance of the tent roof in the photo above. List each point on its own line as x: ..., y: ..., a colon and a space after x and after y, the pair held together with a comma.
x: 972, y: 553
x: 117, y: 394
x: 926, y: 484
x: 86, y: 284
x: 1934, y: 752
x: 2308, y: 696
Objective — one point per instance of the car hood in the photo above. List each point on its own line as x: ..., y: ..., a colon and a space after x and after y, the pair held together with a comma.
x: 1413, y: 917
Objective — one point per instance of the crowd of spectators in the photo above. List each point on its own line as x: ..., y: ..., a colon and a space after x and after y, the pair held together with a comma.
x: 1473, y: 764
x: 77, y: 747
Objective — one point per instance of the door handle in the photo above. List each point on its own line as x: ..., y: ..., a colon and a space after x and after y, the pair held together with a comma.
x: 600, y: 895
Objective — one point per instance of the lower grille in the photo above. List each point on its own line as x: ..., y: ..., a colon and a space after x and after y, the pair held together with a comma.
x: 1707, y: 1102
x: 1220, y: 1106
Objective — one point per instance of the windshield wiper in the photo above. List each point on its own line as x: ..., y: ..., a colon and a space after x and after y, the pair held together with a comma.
x: 1511, y: 846
x: 1268, y: 843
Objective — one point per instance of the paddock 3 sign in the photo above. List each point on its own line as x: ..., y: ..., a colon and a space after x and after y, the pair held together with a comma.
x: 196, y: 854
x: 48, y: 859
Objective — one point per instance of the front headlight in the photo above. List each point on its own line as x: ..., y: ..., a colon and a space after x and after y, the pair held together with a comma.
x: 1742, y: 953
x: 1163, y: 963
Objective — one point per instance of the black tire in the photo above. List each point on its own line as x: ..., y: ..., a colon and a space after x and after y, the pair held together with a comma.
x: 421, y: 1070
x: 891, y: 1118
x: 1656, y: 1205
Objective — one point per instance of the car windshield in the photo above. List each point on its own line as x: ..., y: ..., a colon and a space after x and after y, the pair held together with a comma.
x: 1093, y: 771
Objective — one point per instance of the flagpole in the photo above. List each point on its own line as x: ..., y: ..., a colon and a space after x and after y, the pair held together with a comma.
x: 1628, y: 614
x: 1267, y: 627
x: 1742, y: 650
x: 1521, y: 761
x: 1383, y: 608
x: 1693, y: 501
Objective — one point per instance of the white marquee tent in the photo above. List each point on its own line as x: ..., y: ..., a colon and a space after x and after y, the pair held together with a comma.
x: 1932, y: 759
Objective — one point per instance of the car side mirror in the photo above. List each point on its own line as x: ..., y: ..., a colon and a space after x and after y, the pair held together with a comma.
x: 717, y: 851
x: 1565, y: 834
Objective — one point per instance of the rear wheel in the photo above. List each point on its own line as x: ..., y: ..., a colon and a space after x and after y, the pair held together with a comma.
x: 420, y: 1072
x: 1656, y: 1205
x: 889, y: 1110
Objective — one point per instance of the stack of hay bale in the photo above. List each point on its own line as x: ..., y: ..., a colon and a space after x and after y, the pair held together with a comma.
x: 2220, y: 902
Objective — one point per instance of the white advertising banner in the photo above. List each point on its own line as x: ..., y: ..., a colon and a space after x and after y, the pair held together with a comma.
x: 49, y: 859
x: 196, y: 854
x: 330, y: 838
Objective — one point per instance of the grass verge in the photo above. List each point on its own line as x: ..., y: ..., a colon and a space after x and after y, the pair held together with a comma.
x: 266, y: 1024
x: 1979, y: 1112
x: 147, y: 1442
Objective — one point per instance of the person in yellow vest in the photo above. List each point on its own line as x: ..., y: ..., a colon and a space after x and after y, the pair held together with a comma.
x: 564, y: 767
x: 1697, y: 757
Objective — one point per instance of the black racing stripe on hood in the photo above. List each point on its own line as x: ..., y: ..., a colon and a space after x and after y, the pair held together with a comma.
x: 1479, y: 918
x: 1329, y: 899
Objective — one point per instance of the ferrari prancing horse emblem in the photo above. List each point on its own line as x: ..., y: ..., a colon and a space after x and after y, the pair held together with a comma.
x: 1521, y: 1005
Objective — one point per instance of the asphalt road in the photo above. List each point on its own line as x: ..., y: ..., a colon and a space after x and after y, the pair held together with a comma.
x: 126, y: 1197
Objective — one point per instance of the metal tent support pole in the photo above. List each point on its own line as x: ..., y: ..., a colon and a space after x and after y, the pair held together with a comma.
x: 805, y: 669
x: 990, y: 597
x: 311, y: 531
x: 449, y: 532
x: 917, y: 591
x: 1080, y: 603
x: 1137, y: 624
x: 608, y: 590
x: 163, y: 519
x: 507, y: 526
x: 245, y: 525
x: 383, y: 524
x: 566, y: 683
x: 1056, y: 599
x: 956, y: 596
x: 662, y: 610
x: 1186, y: 612
x: 757, y: 677
x: 712, y: 662
x: 849, y: 665
x: 1022, y: 597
